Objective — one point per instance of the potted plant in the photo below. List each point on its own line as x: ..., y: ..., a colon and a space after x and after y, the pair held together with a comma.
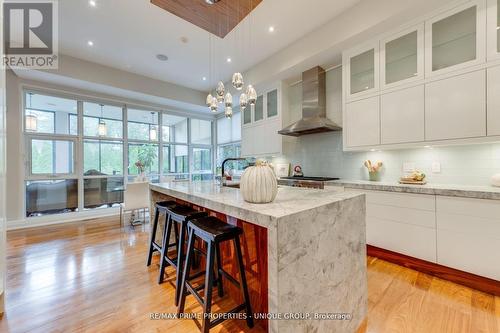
x: 146, y: 156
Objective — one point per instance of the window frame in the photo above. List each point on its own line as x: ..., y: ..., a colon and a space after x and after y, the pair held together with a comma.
x: 79, y: 140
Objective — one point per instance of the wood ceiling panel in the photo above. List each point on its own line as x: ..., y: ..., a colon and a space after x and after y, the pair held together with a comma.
x: 219, y: 18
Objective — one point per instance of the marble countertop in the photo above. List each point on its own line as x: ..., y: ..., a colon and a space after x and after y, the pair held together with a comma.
x: 227, y: 200
x: 478, y: 192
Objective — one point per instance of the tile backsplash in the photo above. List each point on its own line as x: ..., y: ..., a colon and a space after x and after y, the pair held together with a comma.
x: 322, y: 155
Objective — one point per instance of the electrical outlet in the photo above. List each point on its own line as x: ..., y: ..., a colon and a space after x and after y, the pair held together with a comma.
x: 408, y: 167
x: 436, y: 167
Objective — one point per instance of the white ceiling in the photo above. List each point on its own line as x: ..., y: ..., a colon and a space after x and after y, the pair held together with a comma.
x: 128, y: 34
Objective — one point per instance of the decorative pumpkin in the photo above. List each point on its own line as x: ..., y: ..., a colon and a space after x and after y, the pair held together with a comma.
x: 258, y: 183
x: 495, y: 180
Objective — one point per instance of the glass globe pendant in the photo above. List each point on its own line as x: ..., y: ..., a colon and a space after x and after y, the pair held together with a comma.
x: 228, y: 100
x: 243, y: 101
x: 213, y: 105
x: 220, y: 91
x: 251, y: 95
x: 209, y: 100
x: 238, y: 81
x: 228, y: 112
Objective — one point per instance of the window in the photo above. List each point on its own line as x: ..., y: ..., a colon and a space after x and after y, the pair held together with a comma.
x: 143, y: 152
x: 51, y: 157
x: 174, y: 129
x: 102, y: 120
x: 201, y: 132
x: 49, y: 114
x: 51, y: 196
x: 110, y: 151
x: 102, y: 158
x: 146, y: 154
x: 142, y: 125
x: 229, y: 130
x: 229, y: 142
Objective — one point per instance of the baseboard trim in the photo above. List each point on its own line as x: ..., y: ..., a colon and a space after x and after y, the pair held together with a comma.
x: 32, y: 222
x: 473, y: 281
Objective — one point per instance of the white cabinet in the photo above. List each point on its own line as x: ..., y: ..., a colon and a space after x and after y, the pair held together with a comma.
x: 456, y: 107
x: 468, y: 235
x: 402, y: 222
x: 494, y: 101
x: 493, y: 33
x: 402, y: 116
x: 362, y: 122
x: 456, y: 38
x: 362, y: 71
x: 402, y: 57
x: 261, y: 123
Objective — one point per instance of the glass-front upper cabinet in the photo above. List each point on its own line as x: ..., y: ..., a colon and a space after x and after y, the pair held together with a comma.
x: 402, y: 57
x: 493, y: 33
x: 362, y: 71
x: 456, y: 38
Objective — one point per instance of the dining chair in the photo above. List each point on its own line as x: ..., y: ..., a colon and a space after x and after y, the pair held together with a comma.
x: 135, y: 197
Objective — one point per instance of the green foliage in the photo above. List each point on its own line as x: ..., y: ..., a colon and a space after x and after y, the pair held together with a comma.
x: 147, y: 155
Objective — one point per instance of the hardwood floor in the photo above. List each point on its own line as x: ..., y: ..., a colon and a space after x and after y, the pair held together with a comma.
x: 91, y: 277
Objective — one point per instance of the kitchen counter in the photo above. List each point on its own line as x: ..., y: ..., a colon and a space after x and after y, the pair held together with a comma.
x: 316, y: 249
x: 477, y: 192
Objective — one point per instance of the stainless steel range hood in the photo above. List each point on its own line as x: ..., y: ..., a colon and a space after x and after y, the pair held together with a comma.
x: 313, y: 106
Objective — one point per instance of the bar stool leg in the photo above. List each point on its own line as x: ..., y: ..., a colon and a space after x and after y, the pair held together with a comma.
x: 164, y: 248
x: 153, y: 235
x: 243, y: 282
x: 209, y: 276
x: 186, y: 271
x: 180, y: 255
x: 220, y: 286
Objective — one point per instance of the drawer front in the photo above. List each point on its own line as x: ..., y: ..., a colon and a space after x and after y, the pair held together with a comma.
x: 424, y: 218
x: 468, y: 235
x: 405, y: 200
x: 489, y: 209
x: 412, y: 240
x: 469, y: 252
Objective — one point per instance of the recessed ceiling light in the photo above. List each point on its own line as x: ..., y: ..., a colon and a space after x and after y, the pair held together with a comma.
x: 161, y: 57
x: 228, y: 59
x: 92, y: 3
x: 204, y: 78
x: 372, y: 150
x: 271, y: 29
x: 90, y: 43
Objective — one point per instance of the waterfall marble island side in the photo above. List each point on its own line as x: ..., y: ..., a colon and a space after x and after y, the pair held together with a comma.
x: 306, y: 251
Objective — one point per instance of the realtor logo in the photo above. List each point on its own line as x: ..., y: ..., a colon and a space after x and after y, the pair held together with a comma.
x: 30, y: 34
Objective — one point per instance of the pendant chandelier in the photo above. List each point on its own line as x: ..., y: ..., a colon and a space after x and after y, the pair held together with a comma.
x: 153, y: 132
x: 247, y: 97
x: 31, y: 120
x: 102, y: 129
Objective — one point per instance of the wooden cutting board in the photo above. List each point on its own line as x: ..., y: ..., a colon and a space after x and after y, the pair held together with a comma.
x: 413, y: 182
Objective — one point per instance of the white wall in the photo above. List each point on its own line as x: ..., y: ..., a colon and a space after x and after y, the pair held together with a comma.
x: 3, y: 220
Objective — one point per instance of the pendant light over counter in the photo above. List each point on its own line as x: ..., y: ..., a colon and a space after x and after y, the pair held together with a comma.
x: 247, y: 97
x: 31, y: 121
x: 102, y: 129
x: 153, y: 131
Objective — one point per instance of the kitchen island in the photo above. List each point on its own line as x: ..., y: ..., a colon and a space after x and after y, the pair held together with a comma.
x: 305, y: 253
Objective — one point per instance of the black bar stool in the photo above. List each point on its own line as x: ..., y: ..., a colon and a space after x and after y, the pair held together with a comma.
x: 159, y: 207
x: 181, y: 215
x: 213, y: 231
